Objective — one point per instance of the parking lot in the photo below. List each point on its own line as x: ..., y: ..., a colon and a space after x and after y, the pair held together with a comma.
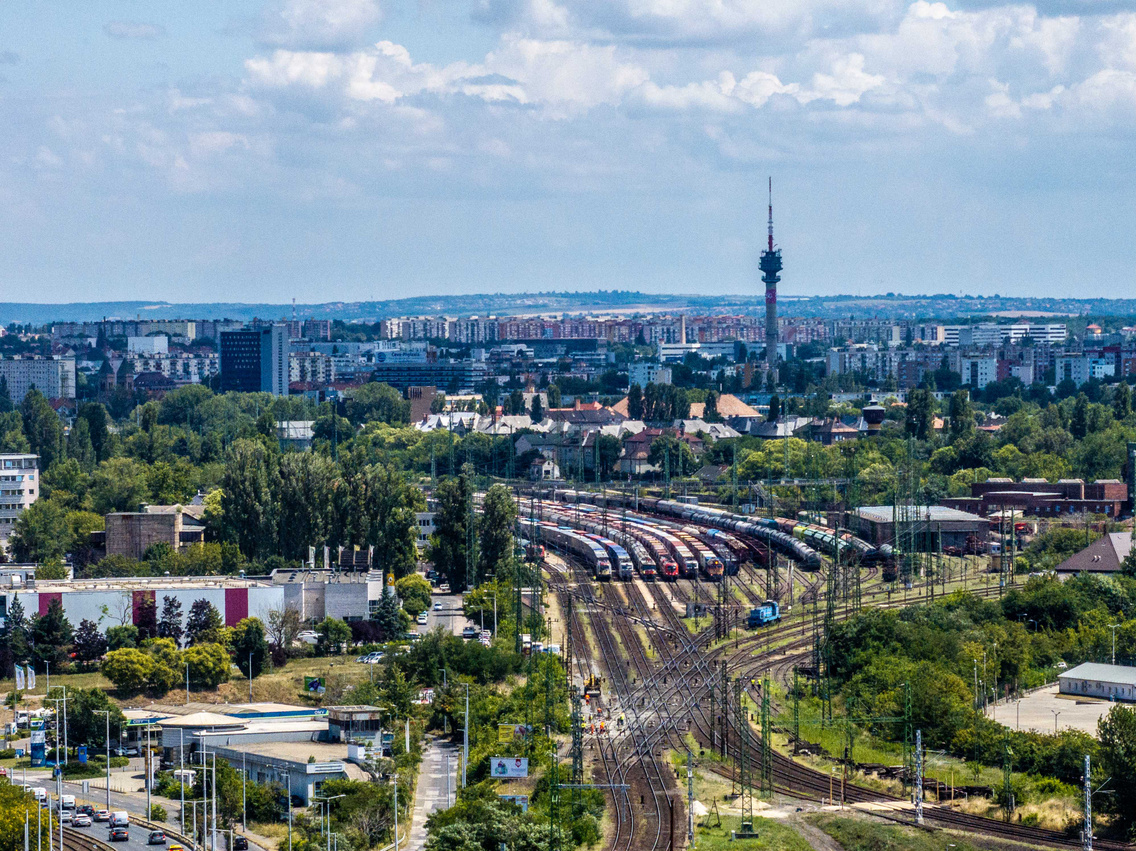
x: 1036, y: 711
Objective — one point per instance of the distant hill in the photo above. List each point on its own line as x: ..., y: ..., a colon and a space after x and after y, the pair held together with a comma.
x: 887, y: 306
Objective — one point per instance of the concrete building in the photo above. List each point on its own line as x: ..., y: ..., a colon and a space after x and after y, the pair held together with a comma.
x: 131, y: 533
x: 876, y: 523
x: 54, y: 377
x: 19, y: 488
x: 255, y: 360
x: 1040, y: 498
x: 1092, y: 679
x: 648, y: 373
x: 424, y: 524
x: 114, y: 602
x: 159, y: 344
x: 345, y: 594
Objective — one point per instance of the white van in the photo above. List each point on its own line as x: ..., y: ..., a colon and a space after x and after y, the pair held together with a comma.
x: 40, y: 795
x: 119, y: 819
x: 67, y: 802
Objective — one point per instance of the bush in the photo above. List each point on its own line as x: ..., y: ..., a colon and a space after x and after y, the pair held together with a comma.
x: 8, y: 753
x: 157, y: 812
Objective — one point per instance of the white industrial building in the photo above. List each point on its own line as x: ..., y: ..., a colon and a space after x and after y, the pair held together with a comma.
x: 1093, y: 679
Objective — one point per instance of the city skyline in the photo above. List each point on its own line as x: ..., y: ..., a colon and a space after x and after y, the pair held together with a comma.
x: 358, y: 150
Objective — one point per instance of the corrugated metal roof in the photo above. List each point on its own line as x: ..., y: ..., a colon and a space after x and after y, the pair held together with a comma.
x: 936, y: 513
x: 1117, y: 674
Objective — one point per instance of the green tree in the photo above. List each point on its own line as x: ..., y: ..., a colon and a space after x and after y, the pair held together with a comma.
x: 89, y: 643
x: 203, y: 626
x: 495, y: 531
x: 169, y: 622
x: 51, y: 636
x: 208, y: 665
x: 250, y: 646
x: 248, y: 488
x: 79, y: 445
x: 1122, y: 401
x: 129, y: 669
x: 98, y: 427
x: 41, y: 533
x: 119, y: 484
x: 122, y: 637
x: 415, y: 592
x: 42, y: 428
x: 920, y: 420
x: 669, y: 453
x: 554, y: 397
x: 635, y: 402
x: 536, y: 412
x: 387, y: 618
x: 774, y: 409
x: 307, y: 483
x: 380, y: 402
x: 386, y: 507
x: 449, y: 542
x: 1117, y: 734
x: 333, y: 635
x: 85, y: 723
x: 1079, y: 421
x: 710, y: 408
x: 12, y: 432
x: 284, y: 625
x: 961, y: 414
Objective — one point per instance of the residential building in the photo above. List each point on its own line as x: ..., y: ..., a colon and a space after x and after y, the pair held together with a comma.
x: 54, y: 376
x: 19, y: 488
x: 255, y: 360
x: 978, y: 371
x: 159, y: 344
x: 1093, y: 679
x: 648, y: 373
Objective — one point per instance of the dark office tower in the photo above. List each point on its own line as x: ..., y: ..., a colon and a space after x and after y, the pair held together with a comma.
x: 255, y: 360
x: 770, y: 267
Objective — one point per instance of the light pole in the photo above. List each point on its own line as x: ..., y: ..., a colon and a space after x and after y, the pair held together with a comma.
x: 465, y: 736
x: 327, y: 807
x: 1055, y: 712
x: 147, y: 768
x: 395, y: 812
x: 187, y: 683
x: 106, y: 712
x: 181, y: 783
x: 250, y: 676
x: 244, y: 777
x: 1113, y: 627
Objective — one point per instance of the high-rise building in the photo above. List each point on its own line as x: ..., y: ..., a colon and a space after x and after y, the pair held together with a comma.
x: 19, y: 488
x: 54, y: 377
x: 770, y: 265
x: 255, y: 360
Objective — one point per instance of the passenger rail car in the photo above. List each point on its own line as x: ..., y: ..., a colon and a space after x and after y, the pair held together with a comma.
x: 620, y: 558
x: 570, y: 541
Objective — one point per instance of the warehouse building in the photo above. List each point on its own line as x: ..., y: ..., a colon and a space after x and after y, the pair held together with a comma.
x: 952, y: 527
x: 1092, y: 679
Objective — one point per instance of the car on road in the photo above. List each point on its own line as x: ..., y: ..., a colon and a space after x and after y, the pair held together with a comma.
x: 156, y: 837
x: 423, y: 618
x: 65, y: 816
x: 240, y: 843
x: 81, y: 820
x: 85, y: 809
x: 102, y: 815
x: 470, y: 632
x: 126, y: 752
x: 119, y: 834
x: 444, y: 588
x: 438, y: 606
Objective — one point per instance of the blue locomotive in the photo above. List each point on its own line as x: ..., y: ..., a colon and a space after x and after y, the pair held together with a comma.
x: 765, y: 614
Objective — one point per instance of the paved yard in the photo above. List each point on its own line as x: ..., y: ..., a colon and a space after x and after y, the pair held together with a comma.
x: 1036, y: 712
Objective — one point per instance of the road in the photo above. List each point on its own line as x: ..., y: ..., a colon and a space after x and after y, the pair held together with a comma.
x: 450, y: 617
x: 437, y: 787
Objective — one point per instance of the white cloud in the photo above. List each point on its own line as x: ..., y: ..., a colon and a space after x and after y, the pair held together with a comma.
x: 319, y: 23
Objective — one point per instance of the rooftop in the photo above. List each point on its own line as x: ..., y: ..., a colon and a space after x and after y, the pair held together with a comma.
x: 934, y: 513
x: 149, y: 583
x: 1121, y: 674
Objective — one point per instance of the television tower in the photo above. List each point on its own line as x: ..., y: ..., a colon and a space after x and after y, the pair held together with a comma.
x: 770, y: 264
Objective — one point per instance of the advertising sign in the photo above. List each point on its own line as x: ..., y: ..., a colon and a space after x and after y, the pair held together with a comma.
x: 82, y: 754
x: 521, y: 801
x: 39, y: 748
x: 314, y: 685
x: 509, y: 766
x: 510, y: 732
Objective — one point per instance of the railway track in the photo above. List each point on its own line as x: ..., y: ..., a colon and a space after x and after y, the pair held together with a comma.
x: 682, y: 675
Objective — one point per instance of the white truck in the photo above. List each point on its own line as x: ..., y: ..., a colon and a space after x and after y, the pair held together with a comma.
x: 119, y: 818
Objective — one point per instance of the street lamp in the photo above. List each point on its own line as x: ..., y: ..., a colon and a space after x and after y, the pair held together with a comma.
x: 106, y: 712
x: 1055, y: 712
x: 327, y: 808
x: 1113, y: 627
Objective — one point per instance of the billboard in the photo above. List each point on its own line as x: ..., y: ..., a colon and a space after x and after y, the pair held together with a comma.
x: 510, y: 732
x: 509, y: 766
x: 314, y: 685
x: 39, y: 748
x: 521, y: 801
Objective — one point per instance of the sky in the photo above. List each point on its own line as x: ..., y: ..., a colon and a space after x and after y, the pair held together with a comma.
x: 326, y: 150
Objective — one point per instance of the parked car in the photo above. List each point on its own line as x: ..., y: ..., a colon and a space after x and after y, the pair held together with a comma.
x: 81, y: 820
x: 470, y: 632
x: 308, y: 637
x: 119, y: 834
x: 156, y: 837
x: 102, y: 815
x: 126, y: 751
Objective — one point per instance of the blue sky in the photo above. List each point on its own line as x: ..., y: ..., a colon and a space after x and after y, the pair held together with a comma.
x: 357, y: 149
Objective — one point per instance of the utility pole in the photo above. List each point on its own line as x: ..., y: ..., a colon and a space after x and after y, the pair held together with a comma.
x: 1087, y: 831
x: 689, y: 798
x: 919, y: 776
x: 465, y: 737
x: 106, y: 712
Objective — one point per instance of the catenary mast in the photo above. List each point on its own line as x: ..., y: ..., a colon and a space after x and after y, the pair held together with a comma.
x: 770, y: 267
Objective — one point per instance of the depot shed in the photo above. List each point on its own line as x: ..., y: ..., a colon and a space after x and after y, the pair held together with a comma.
x: 1092, y: 679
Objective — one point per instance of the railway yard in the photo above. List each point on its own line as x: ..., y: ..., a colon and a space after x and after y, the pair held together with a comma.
x: 685, y: 630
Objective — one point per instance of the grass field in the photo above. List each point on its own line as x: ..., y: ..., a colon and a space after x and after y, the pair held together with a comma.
x: 771, y: 836
x: 855, y: 834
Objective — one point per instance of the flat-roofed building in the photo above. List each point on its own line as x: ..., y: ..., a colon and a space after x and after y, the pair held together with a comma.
x: 1092, y: 679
